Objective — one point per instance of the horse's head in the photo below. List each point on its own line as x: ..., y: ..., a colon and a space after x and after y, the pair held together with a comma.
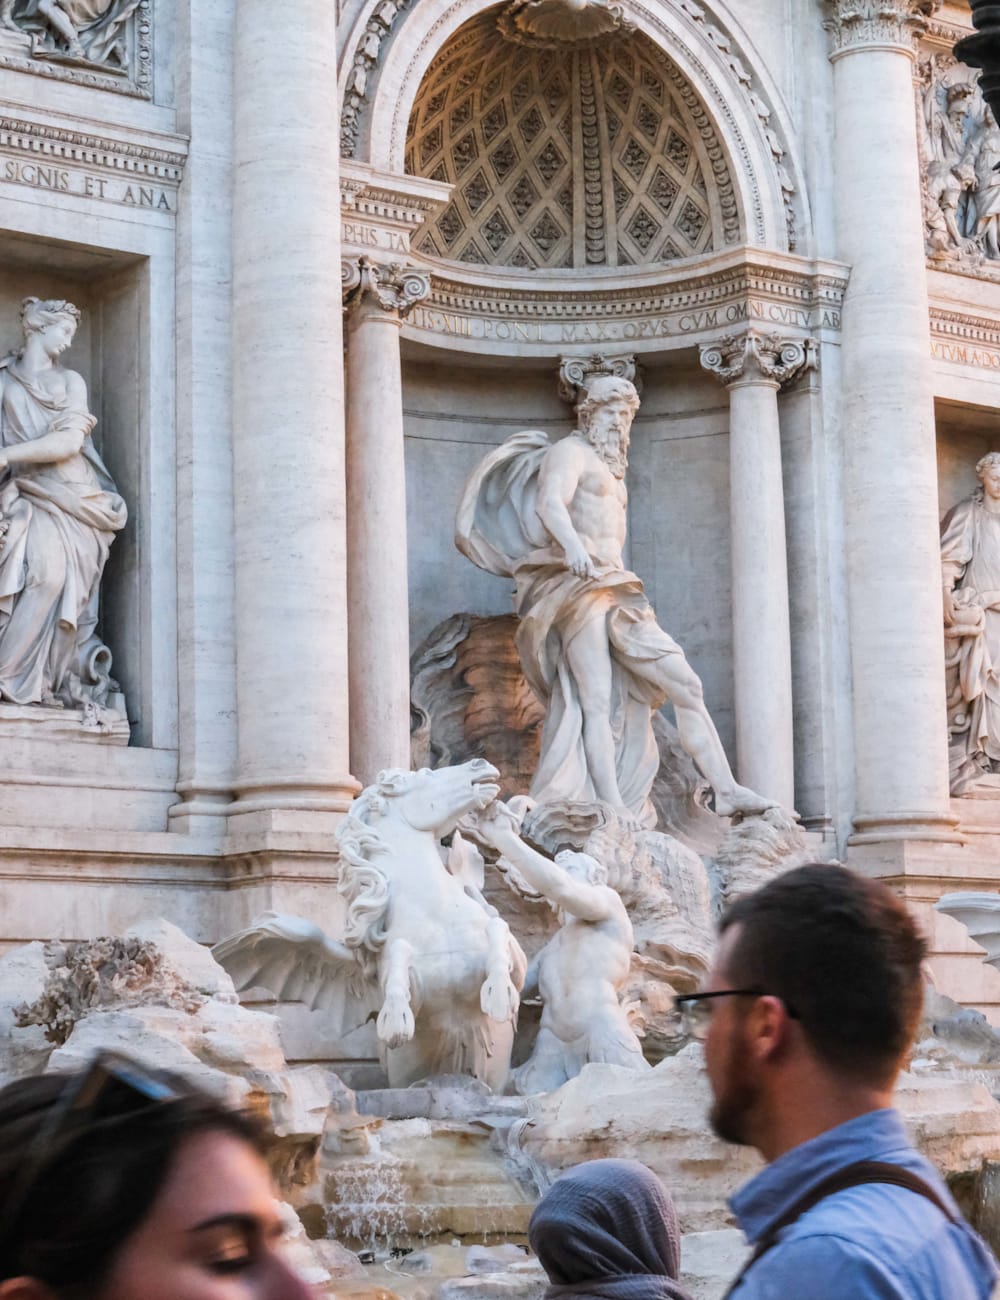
x: 433, y: 800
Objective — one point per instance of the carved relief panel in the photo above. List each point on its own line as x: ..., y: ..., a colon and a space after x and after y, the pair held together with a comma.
x: 103, y: 43
x: 960, y: 148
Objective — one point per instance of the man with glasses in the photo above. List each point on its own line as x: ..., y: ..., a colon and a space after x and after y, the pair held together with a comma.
x: 807, y: 1017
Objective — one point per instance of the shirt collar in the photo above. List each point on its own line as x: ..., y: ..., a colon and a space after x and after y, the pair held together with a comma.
x: 758, y: 1203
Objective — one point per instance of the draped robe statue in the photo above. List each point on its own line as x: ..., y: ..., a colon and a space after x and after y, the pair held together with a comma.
x: 553, y: 517
x: 970, y: 564
x: 59, y: 513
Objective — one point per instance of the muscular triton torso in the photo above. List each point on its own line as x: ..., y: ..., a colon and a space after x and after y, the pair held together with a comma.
x: 577, y: 490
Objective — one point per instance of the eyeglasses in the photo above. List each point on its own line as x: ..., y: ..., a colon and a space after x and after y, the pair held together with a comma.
x: 695, y: 1009
x: 114, y: 1088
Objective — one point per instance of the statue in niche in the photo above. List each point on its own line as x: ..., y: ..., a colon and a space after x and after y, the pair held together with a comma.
x: 91, y: 30
x: 59, y: 513
x: 421, y: 950
x: 580, y: 971
x: 970, y: 563
x: 553, y: 517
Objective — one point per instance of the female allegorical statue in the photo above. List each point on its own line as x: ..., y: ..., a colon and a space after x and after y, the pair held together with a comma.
x: 59, y: 512
x: 970, y: 564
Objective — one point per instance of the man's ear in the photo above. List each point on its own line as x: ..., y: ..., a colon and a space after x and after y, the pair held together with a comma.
x: 25, y: 1288
x: 769, y: 1025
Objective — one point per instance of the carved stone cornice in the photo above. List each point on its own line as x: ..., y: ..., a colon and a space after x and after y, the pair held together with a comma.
x: 394, y: 288
x: 878, y: 24
x: 575, y: 373
x: 753, y: 356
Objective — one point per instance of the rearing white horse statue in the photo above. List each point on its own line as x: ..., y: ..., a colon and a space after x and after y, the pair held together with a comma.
x: 419, y: 943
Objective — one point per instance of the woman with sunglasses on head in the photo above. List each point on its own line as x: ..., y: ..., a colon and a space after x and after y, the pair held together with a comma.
x: 117, y: 1184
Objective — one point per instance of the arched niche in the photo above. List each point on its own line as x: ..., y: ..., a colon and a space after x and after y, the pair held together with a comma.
x: 725, y: 87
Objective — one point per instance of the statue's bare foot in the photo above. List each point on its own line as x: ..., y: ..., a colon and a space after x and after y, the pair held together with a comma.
x: 740, y: 801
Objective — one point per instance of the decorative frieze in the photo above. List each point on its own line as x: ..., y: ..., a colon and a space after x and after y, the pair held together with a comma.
x: 366, y: 58
x: 395, y: 288
x: 55, y: 160
x: 755, y: 355
x: 483, y: 312
x: 855, y: 24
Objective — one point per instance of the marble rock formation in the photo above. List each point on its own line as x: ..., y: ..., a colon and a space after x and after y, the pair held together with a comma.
x: 970, y: 574
x: 59, y: 513
x: 405, y: 907
x: 553, y: 517
x: 91, y: 31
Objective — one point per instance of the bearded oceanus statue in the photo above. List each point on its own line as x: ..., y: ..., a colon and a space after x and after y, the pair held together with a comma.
x: 553, y: 517
x: 421, y: 949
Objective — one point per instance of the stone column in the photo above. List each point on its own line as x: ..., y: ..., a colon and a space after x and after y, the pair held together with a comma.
x: 753, y: 367
x: 206, y: 649
x: 378, y: 297
x: 887, y: 418
x: 291, y: 579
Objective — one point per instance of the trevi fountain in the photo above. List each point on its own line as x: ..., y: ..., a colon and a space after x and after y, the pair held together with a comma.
x: 483, y: 486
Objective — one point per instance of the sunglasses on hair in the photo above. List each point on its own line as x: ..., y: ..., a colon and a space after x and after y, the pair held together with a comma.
x: 113, y: 1088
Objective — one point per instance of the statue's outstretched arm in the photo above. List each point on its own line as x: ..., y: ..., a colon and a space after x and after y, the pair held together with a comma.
x: 579, y: 898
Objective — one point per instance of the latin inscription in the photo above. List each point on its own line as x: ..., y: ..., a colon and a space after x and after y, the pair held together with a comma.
x: 359, y: 233
x: 653, y: 327
x: 962, y: 354
x: 62, y: 180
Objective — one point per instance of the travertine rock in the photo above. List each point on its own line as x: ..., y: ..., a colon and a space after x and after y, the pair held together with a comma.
x: 24, y: 1049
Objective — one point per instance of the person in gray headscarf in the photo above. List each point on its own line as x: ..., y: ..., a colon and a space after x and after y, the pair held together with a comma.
x: 608, y: 1230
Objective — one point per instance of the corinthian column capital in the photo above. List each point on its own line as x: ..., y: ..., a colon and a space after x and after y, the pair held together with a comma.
x: 753, y: 356
x: 879, y: 24
x: 391, y: 287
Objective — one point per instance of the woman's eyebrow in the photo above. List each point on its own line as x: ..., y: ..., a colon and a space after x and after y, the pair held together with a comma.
x: 246, y: 1223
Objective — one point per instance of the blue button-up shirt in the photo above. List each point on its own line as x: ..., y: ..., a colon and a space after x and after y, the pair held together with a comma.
x: 877, y: 1240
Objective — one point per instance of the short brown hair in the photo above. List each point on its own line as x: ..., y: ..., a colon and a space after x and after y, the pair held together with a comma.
x: 844, y: 954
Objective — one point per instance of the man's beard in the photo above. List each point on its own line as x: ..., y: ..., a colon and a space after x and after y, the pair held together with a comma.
x: 731, y: 1110
x: 735, y: 1097
x: 613, y: 451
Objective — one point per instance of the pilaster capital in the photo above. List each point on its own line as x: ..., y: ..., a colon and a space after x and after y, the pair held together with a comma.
x: 576, y: 373
x: 391, y: 287
x: 753, y: 356
x: 877, y: 24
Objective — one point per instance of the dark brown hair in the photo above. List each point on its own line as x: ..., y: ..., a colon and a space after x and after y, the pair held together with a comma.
x: 844, y: 954
x: 70, y: 1223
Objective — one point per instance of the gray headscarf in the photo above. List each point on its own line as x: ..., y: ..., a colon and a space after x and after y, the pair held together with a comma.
x: 608, y: 1229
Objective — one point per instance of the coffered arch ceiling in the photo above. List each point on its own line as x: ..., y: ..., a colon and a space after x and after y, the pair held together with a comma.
x: 596, y: 155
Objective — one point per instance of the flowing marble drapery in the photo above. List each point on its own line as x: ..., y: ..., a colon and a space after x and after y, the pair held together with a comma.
x: 499, y: 530
x: 60, y: 519
x: 970, y: 560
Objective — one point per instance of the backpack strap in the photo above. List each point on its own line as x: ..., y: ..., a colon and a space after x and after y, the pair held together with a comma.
x: 856, y: 1175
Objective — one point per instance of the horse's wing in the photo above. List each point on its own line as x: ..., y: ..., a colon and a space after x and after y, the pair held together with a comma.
x: 297, y: 962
